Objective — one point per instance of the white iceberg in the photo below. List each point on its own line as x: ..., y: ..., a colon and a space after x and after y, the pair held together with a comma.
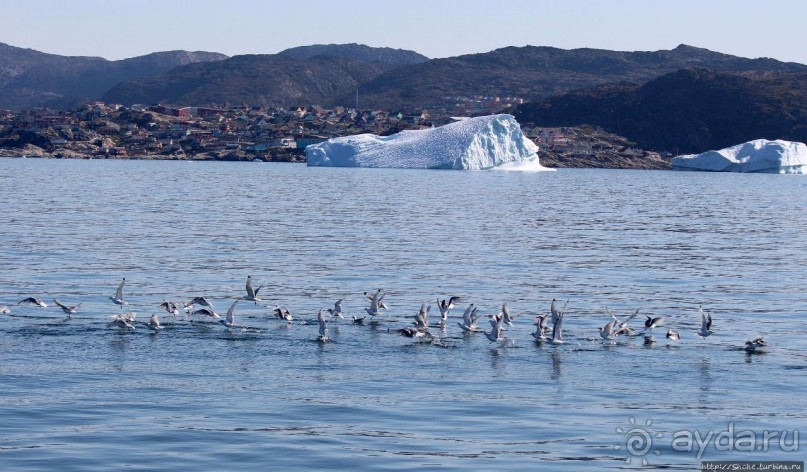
x: 485, y: 142
x: 760, y: 155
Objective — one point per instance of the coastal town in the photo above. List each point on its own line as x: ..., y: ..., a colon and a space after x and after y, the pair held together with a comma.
x: 241, y: 133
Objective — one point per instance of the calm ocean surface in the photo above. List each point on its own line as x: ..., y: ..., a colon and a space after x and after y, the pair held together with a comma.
x: 79, y: 395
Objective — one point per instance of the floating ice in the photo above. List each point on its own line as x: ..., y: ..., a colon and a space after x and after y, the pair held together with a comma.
x: 761, y: 155
x: 485, y: 142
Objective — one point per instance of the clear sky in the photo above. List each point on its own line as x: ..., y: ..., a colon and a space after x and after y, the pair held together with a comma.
x: 116, y: 29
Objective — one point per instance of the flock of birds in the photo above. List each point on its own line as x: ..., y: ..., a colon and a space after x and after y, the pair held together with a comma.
x: 202, y: 307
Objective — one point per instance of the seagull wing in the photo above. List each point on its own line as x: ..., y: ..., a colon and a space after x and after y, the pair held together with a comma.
x: 119, y: 291
x: 231, y: 313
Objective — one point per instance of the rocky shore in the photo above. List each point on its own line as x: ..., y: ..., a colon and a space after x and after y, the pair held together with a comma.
x: 280, y: 155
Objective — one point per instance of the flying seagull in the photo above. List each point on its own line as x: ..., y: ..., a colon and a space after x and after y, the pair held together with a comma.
x: 283, y: 313
x: 33, y: 301
x: 69, y: 310
x: 206, y: 312
x: 118, y: 298
x: 607, y: 332
x: 377, y: 298
x: 622, y: 327
x: 706, y: 322
x: 557, y: 327
x: 376, y: 303
x: 229, y: 320
x: 123, y: 320
x: 422, y: 318
x: 201, y: 301
x: 540, y: 328
x: 469, y: 318
x: 337, y: 311
x: 169, y: 307
x: 445, y: 306
x: 651, y: 322
x: 252, y: 294
x: 507, y: 317
x: 495, y: 334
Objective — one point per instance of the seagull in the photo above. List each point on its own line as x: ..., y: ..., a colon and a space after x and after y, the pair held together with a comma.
x: 206, y: 312
x: 554, y: 309
x: 154, y: 323
x: 229, y: 320
x: 540, y: 328
x: 4, y: 310
x: 198, y: 301
x: 376, y: 302
x: 706, y: 323
x: 622, y: 327
x: 495, y: 334
x: 124, y: 320
x: 359, y: 321
x: 377, y: 297
x: 651, y: 323
x: 415, y: 332
x: 252, y: 294
x: 70, y: 310
x: 337, y: 312
x: 169, y: 307
x: 469, y: 320
x: 673, y: 335
x: 508, y: 318
x: 607, y: 332
x: 422, y: 318
x: 557, y: 327
x: 445, y: 306
x: 323, y: 327
x: 118, y: 298
x: 755, y: 344
x: 283, y: 313
x: 33, y: 301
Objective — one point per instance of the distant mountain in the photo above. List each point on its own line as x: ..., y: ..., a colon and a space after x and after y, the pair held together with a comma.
x: 273, y: 80
x: 538, y: 72
x: 32, y: 78
x: 686, y: 111
x: 359, y: 52
x: 329, y: 74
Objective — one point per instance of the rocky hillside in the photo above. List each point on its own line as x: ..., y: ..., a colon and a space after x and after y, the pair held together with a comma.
x: 539, y: 72
x: 32, y: 78
x: 359, y: 52
x: 686, y: 111
x: 269, y: 80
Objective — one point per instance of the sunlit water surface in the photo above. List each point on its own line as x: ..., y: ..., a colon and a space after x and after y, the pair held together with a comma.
x: 79, y: 395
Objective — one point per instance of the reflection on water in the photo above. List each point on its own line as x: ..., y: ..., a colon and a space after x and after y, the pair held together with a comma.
x: 557, y: 365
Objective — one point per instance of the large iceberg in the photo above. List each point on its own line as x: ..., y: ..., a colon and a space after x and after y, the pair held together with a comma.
x: 485, y: 142
x: 761, y: 155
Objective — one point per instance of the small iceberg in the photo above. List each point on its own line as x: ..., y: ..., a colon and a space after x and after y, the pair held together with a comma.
x: 760, y: 155
x: 485, y: 142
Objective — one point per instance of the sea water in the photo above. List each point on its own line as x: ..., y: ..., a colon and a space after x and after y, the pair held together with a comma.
x: 80, y: 395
